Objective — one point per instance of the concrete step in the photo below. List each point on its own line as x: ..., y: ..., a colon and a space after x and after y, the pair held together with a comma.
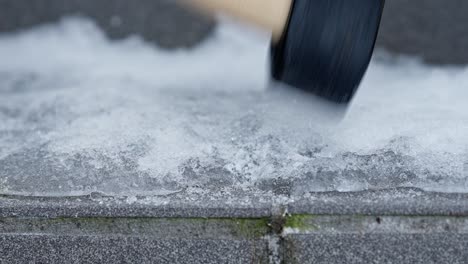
x: 404, y: 226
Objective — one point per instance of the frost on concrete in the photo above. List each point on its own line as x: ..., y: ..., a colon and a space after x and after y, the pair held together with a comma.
x: 81, y: 114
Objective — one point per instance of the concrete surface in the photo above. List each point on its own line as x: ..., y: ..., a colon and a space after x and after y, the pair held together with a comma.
x: 109, y: 230
x: 132, y: 240
x: 115, y: 249
x: 431, y: 29
x: 364, y: 239
x: 377, y: 248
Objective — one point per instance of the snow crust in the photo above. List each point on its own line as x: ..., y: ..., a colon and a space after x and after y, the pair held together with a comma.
x: 82, y: 114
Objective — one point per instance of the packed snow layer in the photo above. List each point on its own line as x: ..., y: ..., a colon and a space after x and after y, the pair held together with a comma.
x: 82, y: 114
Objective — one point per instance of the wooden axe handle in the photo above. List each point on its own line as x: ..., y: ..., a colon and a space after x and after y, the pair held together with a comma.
x: 269, y: 14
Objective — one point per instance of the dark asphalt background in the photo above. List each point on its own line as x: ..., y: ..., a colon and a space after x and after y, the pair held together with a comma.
x: 159, y: 21
x: 435, y: 30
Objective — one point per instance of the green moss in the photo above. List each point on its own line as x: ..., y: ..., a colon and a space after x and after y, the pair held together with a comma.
x: 300, y: 221
x: 197, y: 226
x: 240, y: 227
x: 245, y: 227
x: 255, y: 227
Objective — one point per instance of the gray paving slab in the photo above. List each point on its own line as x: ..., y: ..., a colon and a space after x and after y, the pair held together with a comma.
x: 300, y: 238
x: 377, y: 248
x: 20, y: 248
x: 133, y: 240
x: 361, y: 239
x: 385, y: 202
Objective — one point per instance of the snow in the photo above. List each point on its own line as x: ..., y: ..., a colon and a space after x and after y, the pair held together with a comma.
x: 80, y: 113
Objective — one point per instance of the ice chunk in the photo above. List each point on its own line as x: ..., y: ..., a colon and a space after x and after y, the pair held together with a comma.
x: 81, y: 114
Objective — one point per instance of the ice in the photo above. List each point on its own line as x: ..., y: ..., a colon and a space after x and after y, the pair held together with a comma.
x: 82, y: 114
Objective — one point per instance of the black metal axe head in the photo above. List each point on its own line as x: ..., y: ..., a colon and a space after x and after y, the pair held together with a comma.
x: 327, y: 46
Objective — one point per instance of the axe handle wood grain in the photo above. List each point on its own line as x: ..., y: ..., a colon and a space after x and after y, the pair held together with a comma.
x: 271, y: 15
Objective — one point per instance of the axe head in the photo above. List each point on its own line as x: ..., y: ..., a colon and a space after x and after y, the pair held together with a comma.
x: 327, y: 46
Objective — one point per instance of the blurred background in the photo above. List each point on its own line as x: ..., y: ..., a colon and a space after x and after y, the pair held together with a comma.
x: 431, y: 29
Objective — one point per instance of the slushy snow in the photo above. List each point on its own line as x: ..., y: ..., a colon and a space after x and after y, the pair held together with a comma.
x: 80, y: 113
